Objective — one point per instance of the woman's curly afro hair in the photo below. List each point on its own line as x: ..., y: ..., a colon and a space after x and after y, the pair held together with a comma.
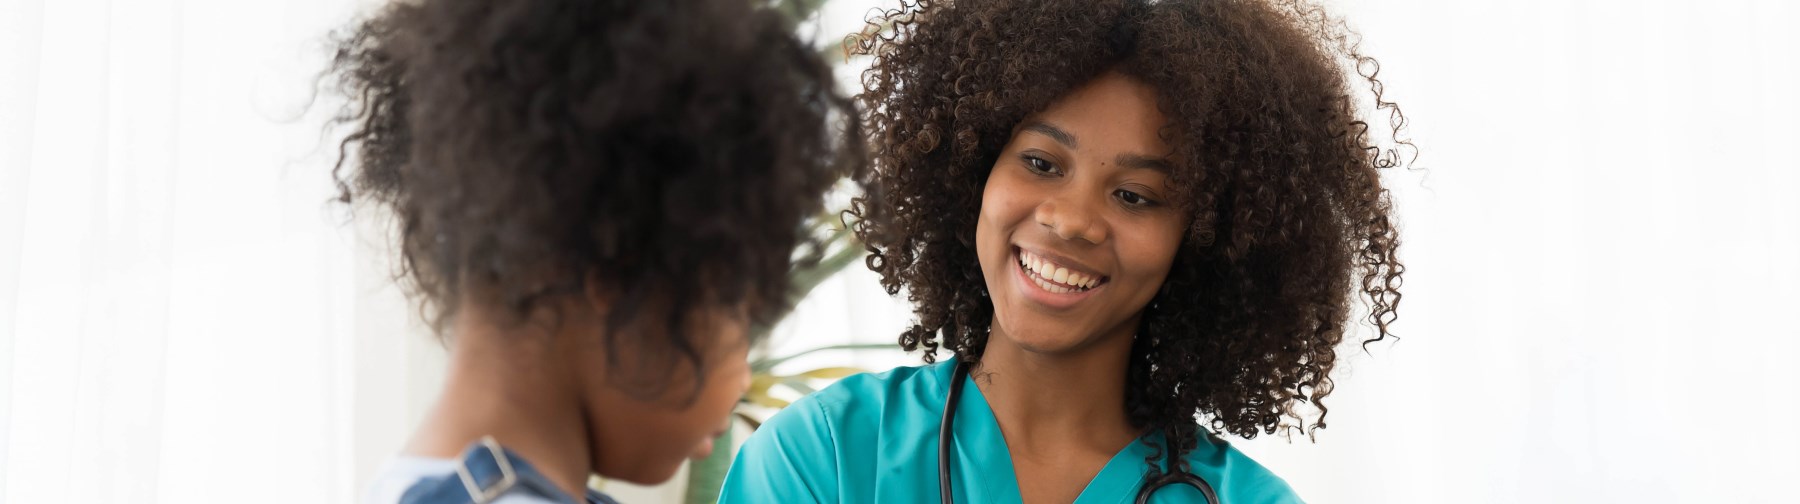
x: 1288, y: 214
x: 667, y: 152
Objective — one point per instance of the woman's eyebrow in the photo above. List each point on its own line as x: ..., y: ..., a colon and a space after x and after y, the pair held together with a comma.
x: 1128, y: 160
x: 1055, y: 133
x: 1142, y: 162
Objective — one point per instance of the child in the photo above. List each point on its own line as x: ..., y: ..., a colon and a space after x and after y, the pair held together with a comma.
x: 595, y: 200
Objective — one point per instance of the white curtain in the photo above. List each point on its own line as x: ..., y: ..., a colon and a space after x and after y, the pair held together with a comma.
x: 1603, y: 250
x: 183, y: 316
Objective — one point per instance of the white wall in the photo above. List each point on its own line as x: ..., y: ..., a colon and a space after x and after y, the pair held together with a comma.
x: 1603, y: 257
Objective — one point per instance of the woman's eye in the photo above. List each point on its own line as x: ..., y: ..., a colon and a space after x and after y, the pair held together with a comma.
x: 1040, y: 166
x: 1133, y: 199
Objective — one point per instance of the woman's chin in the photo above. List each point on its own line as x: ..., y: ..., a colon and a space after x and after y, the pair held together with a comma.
x: 1046, y: 339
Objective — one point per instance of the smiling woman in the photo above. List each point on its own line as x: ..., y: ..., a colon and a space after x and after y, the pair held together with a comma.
x: 1077, y: 230
x: 1120, y: 217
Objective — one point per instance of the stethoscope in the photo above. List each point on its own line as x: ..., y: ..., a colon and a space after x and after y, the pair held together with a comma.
x: 1144, y: 492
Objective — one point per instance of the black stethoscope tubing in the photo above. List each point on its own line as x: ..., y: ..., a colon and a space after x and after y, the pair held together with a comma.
x: 945, y: 445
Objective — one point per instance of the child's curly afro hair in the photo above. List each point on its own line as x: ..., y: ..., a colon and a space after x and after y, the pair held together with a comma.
x: 668, y: 152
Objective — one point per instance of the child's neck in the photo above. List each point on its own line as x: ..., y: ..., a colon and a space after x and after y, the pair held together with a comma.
x: 505, y: 383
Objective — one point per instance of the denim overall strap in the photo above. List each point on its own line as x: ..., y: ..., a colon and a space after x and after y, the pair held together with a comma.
x: 485, y: 473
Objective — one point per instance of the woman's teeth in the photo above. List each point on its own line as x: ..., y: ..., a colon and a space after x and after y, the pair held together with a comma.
x: 1054, y: 278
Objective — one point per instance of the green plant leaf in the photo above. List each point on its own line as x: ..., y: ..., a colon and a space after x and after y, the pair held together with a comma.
x: 767, y: 402
x: 798, y: 10
x: 751, y: 421
x: 799, y: 385
x: 815, y: 266
x: 802, y: 282
x: 832, y: 373
x: 758, y: 393
x: 763, y: 365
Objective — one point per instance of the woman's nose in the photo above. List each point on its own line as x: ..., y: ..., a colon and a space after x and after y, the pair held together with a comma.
x: 1071, y: 219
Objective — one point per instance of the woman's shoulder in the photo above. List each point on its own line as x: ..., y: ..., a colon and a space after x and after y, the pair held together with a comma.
x: 1237, y: 477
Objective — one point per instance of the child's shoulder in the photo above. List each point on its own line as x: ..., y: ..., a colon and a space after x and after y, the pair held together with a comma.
x: 422, y: 480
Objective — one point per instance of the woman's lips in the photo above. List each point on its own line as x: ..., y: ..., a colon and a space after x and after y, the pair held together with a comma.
x: 1056, y: 276
x: 1047, y: 292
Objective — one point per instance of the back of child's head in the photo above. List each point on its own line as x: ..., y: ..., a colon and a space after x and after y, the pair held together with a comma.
x: 663, y: 152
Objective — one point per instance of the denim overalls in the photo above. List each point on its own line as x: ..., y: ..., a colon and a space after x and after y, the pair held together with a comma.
x: 488, y: 472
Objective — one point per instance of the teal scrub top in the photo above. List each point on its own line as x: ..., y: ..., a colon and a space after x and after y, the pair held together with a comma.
x: 874, y: 438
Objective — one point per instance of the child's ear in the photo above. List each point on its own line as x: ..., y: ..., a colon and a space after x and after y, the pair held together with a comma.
x: 597, y: 295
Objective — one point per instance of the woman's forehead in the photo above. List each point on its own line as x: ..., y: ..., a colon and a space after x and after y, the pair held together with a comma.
x: 1112, y: 115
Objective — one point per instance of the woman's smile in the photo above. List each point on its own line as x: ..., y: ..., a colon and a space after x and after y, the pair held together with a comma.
x: 1052, y: 281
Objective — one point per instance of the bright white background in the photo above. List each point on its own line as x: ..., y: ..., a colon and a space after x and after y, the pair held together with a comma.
x: 1603, y: 250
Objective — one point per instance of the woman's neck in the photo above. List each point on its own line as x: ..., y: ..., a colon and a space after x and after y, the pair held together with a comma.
x: 505, y: 383
x: 1048, y: 403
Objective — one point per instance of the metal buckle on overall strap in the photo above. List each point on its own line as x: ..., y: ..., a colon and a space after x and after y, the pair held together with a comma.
x: 508, y: 478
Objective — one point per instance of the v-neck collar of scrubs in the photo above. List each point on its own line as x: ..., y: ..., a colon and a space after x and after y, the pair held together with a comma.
x: 986, y: 467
